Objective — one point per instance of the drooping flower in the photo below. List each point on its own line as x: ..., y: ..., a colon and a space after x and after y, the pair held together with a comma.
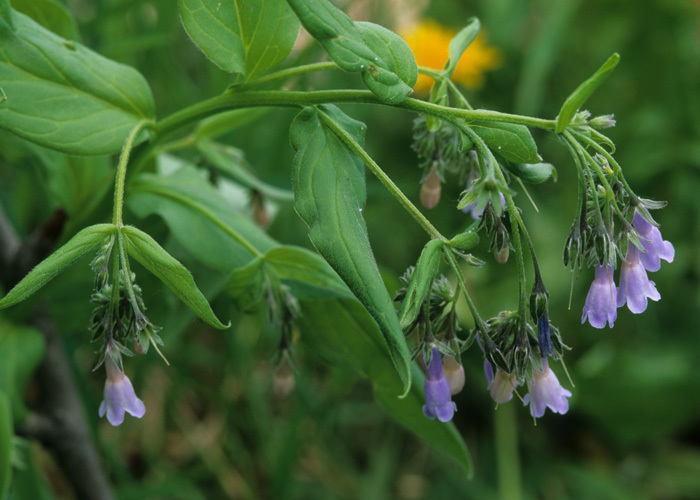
x: 546, y: 391
x: 454, y: 373
x: 430, y: 43
x: 119, y: 396
x: 601, y: 301
x: 635, y: 287
x: 438, y: 399
x: 501, y: 385
x: 476, y: 214
x: 654, y: 244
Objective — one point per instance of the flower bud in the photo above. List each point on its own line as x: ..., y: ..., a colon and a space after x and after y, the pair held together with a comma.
x: 260, y: 214
x: 431, y: 189
x: 454, y: 373
x: 603, y: 121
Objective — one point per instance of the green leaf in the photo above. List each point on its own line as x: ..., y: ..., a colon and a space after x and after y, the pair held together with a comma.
x: 230, y: 161
x: 6, y: 435
x: 246, y: 285
x: 384, y: 60
x: 87, y: 240
x: 459, y: 44
x: 62, y: 95
x: 51, y: 14
x: 22, y: 348
x: 239, y: 36
x: 579, y: 96
x: 206, y: 225
x: 166, y: 268
x: 329, y: 189
x: 511, y: 141
x: 534, y: 173
x: 301, y: 265
x: 409, y: 412
x: 421, y: 282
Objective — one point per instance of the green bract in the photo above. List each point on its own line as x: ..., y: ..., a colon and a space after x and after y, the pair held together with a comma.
x: 421, y: 282
x: 62, y: 95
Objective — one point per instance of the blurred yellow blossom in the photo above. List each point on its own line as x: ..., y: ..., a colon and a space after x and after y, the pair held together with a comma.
x: 430, y: 43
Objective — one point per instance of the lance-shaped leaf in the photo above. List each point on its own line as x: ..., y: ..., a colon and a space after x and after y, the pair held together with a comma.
x: 87, y: 240
x: 240, y: 36
x: 421, y: 282
x: 166, y: 268
x: 329, y: 189
x: 62, y: 95
x: 383, y: 58
x: 579, y: 96
x: 511, y: 141
x: 459, y: 44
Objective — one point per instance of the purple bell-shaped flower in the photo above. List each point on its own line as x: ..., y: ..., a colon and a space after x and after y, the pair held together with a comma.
x: 546, y: 391
x: 654, y: 244
x: 119, y: 396
x: 601, y: 302
x: 438, y: 398
x: 635, y: 287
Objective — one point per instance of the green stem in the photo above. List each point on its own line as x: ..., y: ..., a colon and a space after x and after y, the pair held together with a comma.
x: 286, y: 73
x: 379, y: 173
x: 117, y: 214
x: 507, y: 458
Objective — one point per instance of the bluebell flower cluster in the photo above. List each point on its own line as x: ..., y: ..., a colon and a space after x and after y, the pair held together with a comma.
x: 635, y: 289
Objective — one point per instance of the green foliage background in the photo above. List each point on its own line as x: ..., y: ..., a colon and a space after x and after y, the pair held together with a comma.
x: 214, y: 428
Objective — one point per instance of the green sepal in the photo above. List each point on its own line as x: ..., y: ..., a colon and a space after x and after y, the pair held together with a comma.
x: 459, y: 44
x: 147, y: 252
x: 87, y: 240
x: 511, y: 141
x: 383, y: 58
x: 534, y: 173
x: 579, y: 96
x: 421, y: 282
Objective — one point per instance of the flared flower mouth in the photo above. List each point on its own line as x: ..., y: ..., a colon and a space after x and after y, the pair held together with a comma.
x: 119, y: 395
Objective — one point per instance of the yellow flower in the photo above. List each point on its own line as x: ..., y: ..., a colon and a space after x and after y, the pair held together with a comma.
x: 430, y: 43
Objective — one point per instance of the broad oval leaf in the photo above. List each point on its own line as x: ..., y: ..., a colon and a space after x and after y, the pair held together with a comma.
x: 87, y: 240
x: 579, y: 96
x: 64, y: 96
x: 166, y: 268
x: 384, y: 60
x: 329, y: 189
x: 240, y: 36
x: 511, y: 141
